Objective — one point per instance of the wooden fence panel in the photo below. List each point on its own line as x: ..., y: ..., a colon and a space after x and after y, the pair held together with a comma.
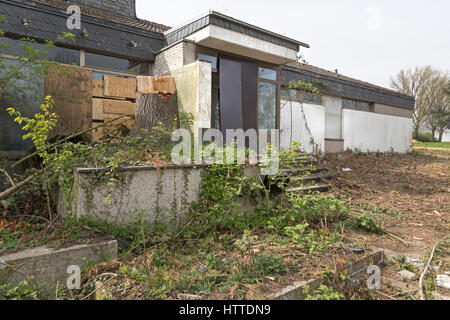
x: 72, y: 92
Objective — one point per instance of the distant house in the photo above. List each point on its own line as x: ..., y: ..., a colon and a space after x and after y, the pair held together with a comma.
x: 229, y: 75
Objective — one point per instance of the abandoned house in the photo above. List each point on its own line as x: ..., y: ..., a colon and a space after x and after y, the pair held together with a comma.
x: 229, y: 75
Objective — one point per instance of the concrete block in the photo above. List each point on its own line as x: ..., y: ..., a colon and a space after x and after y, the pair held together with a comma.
x: 355, y: 269
x: 48, y: 266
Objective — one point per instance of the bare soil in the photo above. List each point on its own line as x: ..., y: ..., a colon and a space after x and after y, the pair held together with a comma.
x: 415, y: 189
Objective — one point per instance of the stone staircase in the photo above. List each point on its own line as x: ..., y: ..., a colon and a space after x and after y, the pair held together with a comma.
x: 302, y: 174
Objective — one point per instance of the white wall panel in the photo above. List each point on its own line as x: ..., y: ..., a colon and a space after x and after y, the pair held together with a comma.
x: 295, y: 129
x: 373, y: 132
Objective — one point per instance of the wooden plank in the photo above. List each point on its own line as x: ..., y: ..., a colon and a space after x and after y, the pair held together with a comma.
x: 72, y: 92
x: 156, y: 85
x: 119, y: 87
x: 124, y: 121
x: 97, y: 134
x: 97, y: 109
x: 119, y: 107
x: 97, y: 88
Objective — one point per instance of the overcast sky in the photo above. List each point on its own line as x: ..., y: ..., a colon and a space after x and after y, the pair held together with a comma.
x: 367, y: 39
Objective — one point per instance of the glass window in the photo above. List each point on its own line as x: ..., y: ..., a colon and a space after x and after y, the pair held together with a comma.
x: 267, y: 105
x: 95, y: 60
x: 207, y: 58
x: 349, y: 104
x: 289, y: 93
x: 364, y: 106
x: 268, y: 74
x: 18, y: 48
x: 313, y: 98
x: 26, y: 97
x: 99, y: 75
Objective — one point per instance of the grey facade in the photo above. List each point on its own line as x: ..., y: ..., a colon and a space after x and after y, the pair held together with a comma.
x: 347, y: 88
x: 218, y: 19
x: 106, y: 34
x: 114, y: 41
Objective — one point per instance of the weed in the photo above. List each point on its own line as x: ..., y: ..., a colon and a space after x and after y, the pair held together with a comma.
x: 365, y: 222
x: 323, y: 293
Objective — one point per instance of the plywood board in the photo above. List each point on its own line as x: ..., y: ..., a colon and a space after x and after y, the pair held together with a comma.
x: 97, y: 88
x: 119, y: 107
x: 97, y: 134
x: 72, y: 92
x: 156, y: 85
x: 97, y: 109
x: 119, y: 87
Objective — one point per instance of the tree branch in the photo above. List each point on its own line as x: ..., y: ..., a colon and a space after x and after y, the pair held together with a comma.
x: 422, y: 277
x: 17, y: 186
x: 11, y: 181
x: 52, y: 146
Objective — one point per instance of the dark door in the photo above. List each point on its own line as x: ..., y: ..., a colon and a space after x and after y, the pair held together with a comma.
x: 238, y: 94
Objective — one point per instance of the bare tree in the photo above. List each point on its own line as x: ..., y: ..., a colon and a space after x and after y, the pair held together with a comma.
x: 438, y: 115
x: 444, y: 113
x: 423, y: 84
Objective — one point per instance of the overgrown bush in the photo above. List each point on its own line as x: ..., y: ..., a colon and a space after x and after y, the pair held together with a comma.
x: 425, y: 137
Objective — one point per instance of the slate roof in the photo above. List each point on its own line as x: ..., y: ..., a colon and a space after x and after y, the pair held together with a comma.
x: 120, y: 11
x: 346, y: 87
x: 108, y: 33
x: 221, y: 20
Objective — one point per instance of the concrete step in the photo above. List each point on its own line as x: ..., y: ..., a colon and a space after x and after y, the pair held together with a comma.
x: 318, y: 187
x: 299, y: 163
x: 312, y: 178
x: 301, y: 171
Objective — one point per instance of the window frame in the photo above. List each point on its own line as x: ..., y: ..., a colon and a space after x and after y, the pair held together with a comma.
x: 277, y: 82
x: 261, y: 64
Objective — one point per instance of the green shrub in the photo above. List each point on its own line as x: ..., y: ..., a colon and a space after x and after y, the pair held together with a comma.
x: 266, y: 265
x: 365, y: 222
x: 324, y: 293
x: 424, y: 137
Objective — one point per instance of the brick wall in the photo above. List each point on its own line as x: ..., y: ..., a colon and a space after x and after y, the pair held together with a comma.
x: 174, y: 57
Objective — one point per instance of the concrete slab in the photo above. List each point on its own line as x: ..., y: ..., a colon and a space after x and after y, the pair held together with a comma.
x: 48, y: 266
x: 295, y: 292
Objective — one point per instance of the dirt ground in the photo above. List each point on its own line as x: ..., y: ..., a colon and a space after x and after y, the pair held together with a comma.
x: 415, y: 192
x: 408, y: 195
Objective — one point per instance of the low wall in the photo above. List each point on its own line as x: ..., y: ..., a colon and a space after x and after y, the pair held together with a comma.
x: 373, y: 132
x: 162, y: 195
x: 294, y: 128
x: 48, y: 266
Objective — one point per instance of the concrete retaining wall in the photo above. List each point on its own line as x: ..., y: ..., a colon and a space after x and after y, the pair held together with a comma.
x: 160, y: 195
x: 375, y: 132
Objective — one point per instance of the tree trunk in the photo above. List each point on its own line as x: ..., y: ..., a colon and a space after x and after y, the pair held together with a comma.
x: 416, y: 132
x: 441, y: 135
x: 153, y: 110
x: 433, y: 135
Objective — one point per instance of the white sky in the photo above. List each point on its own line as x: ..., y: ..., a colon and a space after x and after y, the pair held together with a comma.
x: 370, y: 40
